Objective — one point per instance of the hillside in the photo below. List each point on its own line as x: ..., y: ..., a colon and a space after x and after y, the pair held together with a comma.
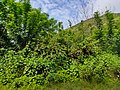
x: 91, y: 22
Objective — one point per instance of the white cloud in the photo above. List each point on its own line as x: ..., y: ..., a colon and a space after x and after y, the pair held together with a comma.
x: 65, y: 10
x: 103, y: 5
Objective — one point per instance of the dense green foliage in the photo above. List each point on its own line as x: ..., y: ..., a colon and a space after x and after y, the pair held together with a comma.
x: 36, y: 51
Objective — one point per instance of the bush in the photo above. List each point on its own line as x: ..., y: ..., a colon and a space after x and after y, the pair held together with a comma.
x: 100, y: 66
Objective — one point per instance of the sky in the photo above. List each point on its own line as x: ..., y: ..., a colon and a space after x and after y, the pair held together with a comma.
x: 75, y: 10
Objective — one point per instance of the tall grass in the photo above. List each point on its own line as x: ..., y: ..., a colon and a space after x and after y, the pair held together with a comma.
x: 78, y: 85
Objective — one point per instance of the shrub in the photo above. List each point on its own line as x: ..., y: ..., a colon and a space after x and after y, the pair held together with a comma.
x: 100, y: 66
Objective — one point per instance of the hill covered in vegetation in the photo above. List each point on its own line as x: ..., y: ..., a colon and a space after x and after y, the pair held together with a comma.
x: 36, y: 53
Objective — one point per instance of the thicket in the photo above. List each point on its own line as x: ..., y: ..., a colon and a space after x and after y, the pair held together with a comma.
x: 35, y: 50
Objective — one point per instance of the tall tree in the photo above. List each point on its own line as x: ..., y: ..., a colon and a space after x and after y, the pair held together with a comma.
x: 99, y: 25
x: 21, y: 24
x: 110, y: 18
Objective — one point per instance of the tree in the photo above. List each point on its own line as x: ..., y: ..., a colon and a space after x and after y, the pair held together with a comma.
x: 99, y: 25
x: 21, y: 24
x: 110, y: 18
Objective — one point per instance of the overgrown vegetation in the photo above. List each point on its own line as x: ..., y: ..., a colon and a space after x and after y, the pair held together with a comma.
x: 36, y: 52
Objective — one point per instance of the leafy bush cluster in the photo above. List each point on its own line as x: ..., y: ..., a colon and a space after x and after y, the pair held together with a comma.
x: 35, y: 50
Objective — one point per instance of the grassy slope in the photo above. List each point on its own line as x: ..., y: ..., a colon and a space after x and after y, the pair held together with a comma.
x: 88, y: 25
x: 91, y: 22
